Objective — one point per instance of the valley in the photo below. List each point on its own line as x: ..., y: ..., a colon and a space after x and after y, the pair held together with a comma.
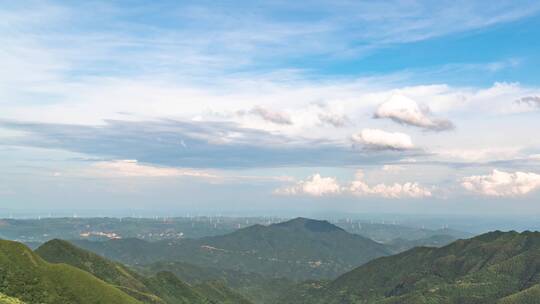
x: 295, y: 261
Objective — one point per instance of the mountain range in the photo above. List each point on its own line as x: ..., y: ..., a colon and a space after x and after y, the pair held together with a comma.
x: 497, y: 267
x: 298, y: 249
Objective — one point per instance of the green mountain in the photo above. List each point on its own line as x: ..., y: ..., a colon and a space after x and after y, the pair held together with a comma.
x: 497, y: 267
x: 255, y: 287
x: 26, y: 276
x: 298, y: 249
x: 59, y: 251
x: 161, y: 287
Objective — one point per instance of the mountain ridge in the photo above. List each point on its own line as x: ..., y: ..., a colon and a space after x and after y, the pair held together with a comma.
x: 496, y: 267
x: 300, y: 249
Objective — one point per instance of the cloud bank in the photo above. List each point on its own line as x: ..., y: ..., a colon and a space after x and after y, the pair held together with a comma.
x: 502, y: 184
x: 191, y: 144
x: 406, y: 111
x: 316, y: 185
x: 407, y: 190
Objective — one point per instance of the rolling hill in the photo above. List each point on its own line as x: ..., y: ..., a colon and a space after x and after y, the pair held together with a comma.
x: 161, y: 287
x: 497, y: 267
x: 297, y: 249
x: 26, y: 276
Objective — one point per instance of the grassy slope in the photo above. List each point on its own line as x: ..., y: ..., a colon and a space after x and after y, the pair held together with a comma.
x: 479, y: 270
x: 162, y: 287
x: 26, y: 276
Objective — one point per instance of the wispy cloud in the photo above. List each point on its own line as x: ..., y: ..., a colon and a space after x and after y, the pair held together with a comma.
x: 276, y: 117
x: 132, y: 168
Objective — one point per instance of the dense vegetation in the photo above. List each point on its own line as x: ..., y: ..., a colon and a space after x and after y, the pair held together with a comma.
x: 494, y: 267
x: 161, y: 287
x: 9, y: 300
x: 256, y: 287
x: 270, y: 265
x: 297, y: 249
x: 26, y: 276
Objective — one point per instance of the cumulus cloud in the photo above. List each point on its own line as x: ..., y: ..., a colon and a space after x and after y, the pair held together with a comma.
x: 407, y: 190
x: 382, y: 140
x: 276, y: 117
x: 406, y: 111
x: 132, y: 168
x: 315, y: 185
x: 502, y: 184
x: 530, y: 100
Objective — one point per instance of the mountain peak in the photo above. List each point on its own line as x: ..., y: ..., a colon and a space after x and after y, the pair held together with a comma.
x: 309, y: 224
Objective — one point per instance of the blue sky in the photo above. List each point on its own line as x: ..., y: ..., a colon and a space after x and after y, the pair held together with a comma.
x: 337, y: 106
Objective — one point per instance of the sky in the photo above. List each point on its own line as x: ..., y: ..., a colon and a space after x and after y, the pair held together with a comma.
x: 414, y: 107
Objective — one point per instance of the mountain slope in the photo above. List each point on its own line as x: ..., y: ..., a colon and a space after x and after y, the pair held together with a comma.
x: 298, y: 249
x: 162, y: 287
x: 59, y: 251
x: 491, y: 267
x: 26, y: 276
x: 256, y: 287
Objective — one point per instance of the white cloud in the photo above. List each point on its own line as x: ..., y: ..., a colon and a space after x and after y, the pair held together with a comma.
x: 406, y: 190
x: 379, y: 139
x: 502, y: 184
x: 404, y: 110
x: 131, y: 168
x: 315, y: 185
